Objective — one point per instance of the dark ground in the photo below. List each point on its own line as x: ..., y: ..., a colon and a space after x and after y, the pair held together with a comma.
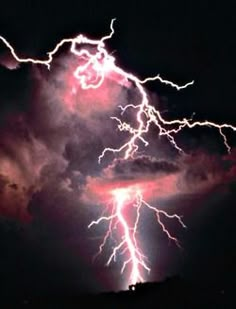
x: 174, y: 292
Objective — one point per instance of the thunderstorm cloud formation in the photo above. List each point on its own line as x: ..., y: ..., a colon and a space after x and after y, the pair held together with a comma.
x: 49, y: 170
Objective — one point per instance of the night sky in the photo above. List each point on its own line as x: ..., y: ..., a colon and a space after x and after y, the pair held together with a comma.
x: 49, y: 144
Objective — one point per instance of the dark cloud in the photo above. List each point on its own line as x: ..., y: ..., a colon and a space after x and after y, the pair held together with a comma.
x: 14, y: 198
x: 5, y: 182
x: 140, y: 167
x: 202, y: 171
x: 155, y: 178
x: 57, y: 137
x: 52, y: 141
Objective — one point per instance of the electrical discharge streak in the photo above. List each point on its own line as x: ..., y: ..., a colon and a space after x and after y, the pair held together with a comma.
x: 95, y: 65
x: 123, y: 197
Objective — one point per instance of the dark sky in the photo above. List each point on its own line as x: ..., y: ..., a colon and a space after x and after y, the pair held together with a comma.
x: 48, y: 155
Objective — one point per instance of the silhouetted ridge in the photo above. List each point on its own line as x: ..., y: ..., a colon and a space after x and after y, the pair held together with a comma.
x: 174, y: 292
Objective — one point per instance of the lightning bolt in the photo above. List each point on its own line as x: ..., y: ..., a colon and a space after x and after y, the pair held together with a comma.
x: 95, y: 64
x: 124, y: 198
x: 91, y: 74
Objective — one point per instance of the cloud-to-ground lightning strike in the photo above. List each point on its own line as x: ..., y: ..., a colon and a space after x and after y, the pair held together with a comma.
x: 123, y: 198
x: 95, y: 65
